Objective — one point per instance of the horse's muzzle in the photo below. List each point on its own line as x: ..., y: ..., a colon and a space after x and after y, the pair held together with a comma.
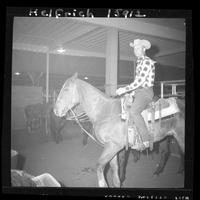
x: 59, y: 113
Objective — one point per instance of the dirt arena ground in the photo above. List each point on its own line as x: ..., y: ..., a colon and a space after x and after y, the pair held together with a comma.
x: 74, y: 164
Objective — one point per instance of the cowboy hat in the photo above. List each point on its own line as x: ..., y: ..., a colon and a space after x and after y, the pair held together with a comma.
x: 145, y: 43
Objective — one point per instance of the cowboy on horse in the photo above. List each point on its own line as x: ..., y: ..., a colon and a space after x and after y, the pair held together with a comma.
x: 105, y: 114
x: 142, y: 90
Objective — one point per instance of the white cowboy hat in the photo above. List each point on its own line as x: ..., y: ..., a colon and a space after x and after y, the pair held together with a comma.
x: 145, y: 43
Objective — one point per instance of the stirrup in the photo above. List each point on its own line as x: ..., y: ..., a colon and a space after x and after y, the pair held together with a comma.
x: 138, y: 146
x: 145, y: 145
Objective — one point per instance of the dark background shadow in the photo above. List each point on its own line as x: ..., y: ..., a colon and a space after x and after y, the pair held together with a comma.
x: 21, y: 161
x: 152, y: 52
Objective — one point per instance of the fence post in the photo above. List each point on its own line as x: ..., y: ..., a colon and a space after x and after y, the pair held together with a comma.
x: 162, y: 85
x: 174, y: 89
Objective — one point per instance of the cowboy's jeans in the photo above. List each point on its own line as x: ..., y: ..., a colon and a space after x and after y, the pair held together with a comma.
x: 142, y: 98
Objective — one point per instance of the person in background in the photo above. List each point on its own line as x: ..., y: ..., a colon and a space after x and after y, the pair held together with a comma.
x: 142, y: 88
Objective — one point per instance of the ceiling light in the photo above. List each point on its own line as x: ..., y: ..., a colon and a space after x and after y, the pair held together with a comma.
x: 61, y: 50
x: 85, y: 77
x: 17, y: 73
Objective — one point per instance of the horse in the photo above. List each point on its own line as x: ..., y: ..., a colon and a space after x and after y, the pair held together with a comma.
x: 39, y: 114
x: 56, y: 126
x: 36, y: 115
x: 110, y: 131
x: 33, y: 117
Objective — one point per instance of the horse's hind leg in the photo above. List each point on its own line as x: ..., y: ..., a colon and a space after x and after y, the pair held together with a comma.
x: 180, y: 139
x: 114, y: 167
x: 110, y: 150
x: 181, y: 163
x: 165, y: 153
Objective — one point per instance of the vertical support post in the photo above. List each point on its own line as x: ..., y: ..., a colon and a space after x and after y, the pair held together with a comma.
x: 111, y: 61
x: 47, y: 90
x: 47, y: 77
x: 174, y: 89
x: 161, y: 95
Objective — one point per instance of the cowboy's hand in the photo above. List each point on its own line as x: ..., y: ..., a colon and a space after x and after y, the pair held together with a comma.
x: 132, y: 93
x: 119, y: 91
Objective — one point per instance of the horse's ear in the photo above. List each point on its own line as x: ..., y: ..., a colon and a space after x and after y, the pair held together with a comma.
x: 75, y: 76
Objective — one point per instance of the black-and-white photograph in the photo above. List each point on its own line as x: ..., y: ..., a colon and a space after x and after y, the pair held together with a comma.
x: 98, y: 102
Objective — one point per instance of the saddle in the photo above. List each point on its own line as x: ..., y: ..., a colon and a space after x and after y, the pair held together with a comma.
x: 155, y: 111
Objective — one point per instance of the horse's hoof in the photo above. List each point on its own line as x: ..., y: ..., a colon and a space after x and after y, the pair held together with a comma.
x: 122, y: 179
x: 157, y: 173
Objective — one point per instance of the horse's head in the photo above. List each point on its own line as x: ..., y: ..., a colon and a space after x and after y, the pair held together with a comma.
x: 67, y: 98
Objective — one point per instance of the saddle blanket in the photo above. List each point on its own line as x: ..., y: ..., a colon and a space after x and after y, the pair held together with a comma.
x: 161, y: 110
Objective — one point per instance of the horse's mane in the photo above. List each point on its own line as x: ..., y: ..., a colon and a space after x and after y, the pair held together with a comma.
x: 96, y: 104
x: 94, y: 88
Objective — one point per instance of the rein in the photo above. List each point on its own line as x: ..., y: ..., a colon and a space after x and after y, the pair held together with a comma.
x: 82, y: 117
x: 89, y: 134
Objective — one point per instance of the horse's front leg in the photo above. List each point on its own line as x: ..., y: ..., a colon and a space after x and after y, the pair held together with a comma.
x: 110, y: 150
x: 122, y: 161
x: 114, y: 167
